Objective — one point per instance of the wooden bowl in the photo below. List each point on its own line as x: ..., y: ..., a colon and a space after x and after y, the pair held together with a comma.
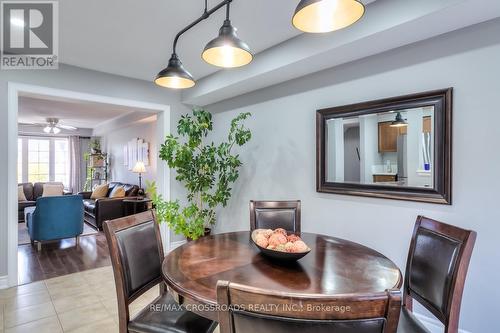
x: 279, y: 255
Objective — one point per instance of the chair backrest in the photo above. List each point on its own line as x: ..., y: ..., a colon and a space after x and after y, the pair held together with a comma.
x: 28, y: 190
x: 244, y: 309
x: 437, y: 265
x: 57, y: 217
x: 275, y: 214
x: 136, y: 255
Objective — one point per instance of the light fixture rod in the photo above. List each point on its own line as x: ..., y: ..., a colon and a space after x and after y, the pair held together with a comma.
x: 206, y: 14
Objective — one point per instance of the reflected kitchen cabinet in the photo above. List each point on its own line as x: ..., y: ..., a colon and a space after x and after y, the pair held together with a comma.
x: 384, y: 178
x: 427, y: 127
x: 388, y: 137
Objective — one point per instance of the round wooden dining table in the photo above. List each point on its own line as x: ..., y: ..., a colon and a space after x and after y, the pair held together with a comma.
x: 333, y: 267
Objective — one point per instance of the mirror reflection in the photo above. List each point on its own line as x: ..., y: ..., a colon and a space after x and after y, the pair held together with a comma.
x: 392, y: 148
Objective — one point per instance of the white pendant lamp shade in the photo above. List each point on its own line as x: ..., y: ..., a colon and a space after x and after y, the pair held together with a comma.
x: 227, y: 50
x: 175, y: 76
x: 320, y: 16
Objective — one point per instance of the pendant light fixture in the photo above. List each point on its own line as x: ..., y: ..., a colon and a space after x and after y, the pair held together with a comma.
x: 399, y: 121
x: 227, y: 50
x: 175, y: 76
x: 319, y: 16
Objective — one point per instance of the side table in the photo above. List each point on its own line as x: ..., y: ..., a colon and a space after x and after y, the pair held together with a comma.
x: 135, y: 206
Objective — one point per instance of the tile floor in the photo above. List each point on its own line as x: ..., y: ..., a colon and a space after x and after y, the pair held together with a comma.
x: 79, y: 302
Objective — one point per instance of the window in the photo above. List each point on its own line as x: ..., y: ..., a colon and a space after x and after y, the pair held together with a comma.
x: 42, y: 159
x: 61, y: 161
x: 38, y: 160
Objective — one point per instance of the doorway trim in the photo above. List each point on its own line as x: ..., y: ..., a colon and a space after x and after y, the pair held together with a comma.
x: 14, y: 91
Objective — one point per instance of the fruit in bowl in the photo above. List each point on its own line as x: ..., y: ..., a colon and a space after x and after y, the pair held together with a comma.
x: 279, y: 244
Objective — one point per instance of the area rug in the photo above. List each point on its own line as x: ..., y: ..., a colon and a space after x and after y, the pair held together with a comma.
x: 24, y: 237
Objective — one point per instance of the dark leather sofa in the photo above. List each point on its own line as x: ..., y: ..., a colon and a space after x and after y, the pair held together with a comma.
x: 32, y: 192
x: 103, y: 209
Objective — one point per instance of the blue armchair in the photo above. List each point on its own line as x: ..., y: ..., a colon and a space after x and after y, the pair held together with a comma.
x: 55, y: 218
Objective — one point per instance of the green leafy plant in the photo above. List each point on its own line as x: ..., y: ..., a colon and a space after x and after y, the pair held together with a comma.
x: 206, y: 170
x: 95, y: 145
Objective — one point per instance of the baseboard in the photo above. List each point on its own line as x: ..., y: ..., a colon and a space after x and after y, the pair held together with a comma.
x: 434, y: 325
x: 175, y: 245
x: 4, y: 282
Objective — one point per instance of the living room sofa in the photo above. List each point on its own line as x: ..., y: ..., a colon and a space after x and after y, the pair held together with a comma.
x: 32, y: 192
x: 103, y: 209
x: 55, y: 218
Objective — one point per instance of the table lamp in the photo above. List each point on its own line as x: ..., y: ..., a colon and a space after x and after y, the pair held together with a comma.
x: 140, y: 169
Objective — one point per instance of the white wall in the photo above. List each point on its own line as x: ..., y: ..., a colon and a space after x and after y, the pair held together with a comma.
x: 279, y: 162
x: 114, y: 141
x: 368, y: 146
x: 335, y: 147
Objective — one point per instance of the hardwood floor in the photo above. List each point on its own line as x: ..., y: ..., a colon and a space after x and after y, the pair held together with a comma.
x: 61, y: 257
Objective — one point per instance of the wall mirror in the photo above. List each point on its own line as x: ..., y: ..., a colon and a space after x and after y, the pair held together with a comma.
x: 395, y: 148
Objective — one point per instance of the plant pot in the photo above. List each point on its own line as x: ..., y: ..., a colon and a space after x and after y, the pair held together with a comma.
x: 208, y: 231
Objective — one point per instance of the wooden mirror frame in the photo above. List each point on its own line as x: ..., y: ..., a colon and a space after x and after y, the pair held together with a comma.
x: 441, y: 100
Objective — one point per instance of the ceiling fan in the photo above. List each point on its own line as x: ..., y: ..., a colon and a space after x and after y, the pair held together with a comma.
x: 53, y: 126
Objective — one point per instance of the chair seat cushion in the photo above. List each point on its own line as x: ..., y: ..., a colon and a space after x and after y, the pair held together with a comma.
x: 408, y: 323
x: 169, y: 317
x: 89, y: 206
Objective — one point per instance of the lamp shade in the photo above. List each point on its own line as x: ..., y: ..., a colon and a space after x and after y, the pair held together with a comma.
x: 399, y: 121
x: 319, y: 16
x: 227, y: 50
x: 139, y: 167
x: 175, y: 76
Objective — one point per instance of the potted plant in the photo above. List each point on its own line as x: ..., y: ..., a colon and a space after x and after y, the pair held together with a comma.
x: 95, y: 146
x: 205, y: 169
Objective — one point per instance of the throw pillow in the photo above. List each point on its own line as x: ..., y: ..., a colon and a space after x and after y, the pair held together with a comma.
x: 20, y: 194
x: 52, y: 190
x: 118, y: 192
x: 100, y: 192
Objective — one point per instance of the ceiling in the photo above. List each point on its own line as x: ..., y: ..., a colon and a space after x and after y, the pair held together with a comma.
x: 386, y: 25
x: 77, y: 113
x: 134, y: 38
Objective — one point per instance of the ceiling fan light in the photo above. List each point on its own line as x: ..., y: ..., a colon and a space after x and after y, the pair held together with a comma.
x: 227, y: 50
x: 47, y: 129
x: 175, y: 76
x: 56, y: 130
x: 320, y: 16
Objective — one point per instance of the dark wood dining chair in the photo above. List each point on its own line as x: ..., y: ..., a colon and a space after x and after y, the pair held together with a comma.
x: 437, y: 265
x: 136, y: 255
x: 244, y: 309
x: 275, y: 214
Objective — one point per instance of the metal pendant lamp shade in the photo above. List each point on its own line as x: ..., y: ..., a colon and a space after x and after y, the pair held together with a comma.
x: 320, y: 16
x: 399, y: 121
x: 227, y: 50
x: 175, y: 76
